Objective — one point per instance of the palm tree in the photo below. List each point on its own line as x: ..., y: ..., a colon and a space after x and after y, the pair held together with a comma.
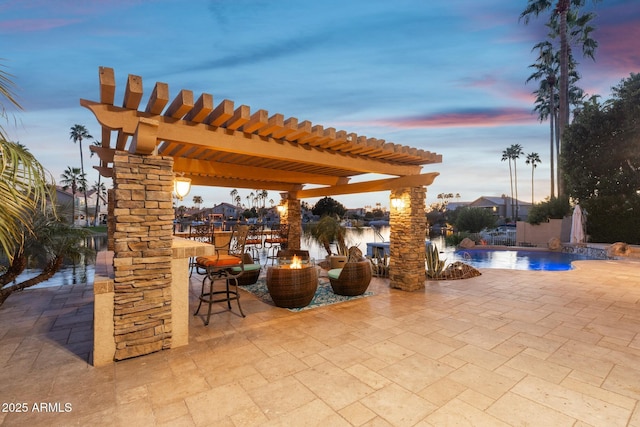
x: 547, y: 67
x: 234, y: 195
x: 24, y: 189
x: 98, y: 186
x: 263, y: 195
x: 326, y: 231
x: 73, y: 178
x: 532, y: 159
x: 546, y: 106
x: 77, y: 134
x: 516, y: 152
x: 24, y: 185
x: 546, y: 70
x: 181, y: 211
x: 511, y: 154
x: 101, y: 192
x: 561, y: 11
x: 197, y: 200
x: 507, y: 155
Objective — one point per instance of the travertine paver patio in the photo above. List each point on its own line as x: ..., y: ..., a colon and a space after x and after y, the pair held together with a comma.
x: 506, y: 348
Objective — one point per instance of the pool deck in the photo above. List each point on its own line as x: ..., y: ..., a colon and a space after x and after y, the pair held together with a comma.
x: 506, y: 348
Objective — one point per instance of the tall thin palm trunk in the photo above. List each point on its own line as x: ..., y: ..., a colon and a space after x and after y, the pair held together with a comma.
x: 86, y: 203
x: 77, y: 134
x: 98, y: 194
x: 563, y: 9
x: 511, y: 179
x: 515, y: 178
x: 533, y: 168
x: 552, y: 122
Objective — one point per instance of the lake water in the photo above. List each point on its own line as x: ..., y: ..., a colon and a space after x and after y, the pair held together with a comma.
x: 479, y: 258
x: 70, y: 274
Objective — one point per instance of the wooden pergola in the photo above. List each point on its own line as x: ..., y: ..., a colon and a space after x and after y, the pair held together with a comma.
x: 227, y: 146
x: 142, y: 304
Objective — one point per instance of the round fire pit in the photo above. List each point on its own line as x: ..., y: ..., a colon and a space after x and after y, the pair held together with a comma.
x: 292, y: 287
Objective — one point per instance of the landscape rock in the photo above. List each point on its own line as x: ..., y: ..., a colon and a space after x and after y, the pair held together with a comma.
x: 618, y: 249
x: 467, y: 243
x: 460, y: 270
x: 554, y: 244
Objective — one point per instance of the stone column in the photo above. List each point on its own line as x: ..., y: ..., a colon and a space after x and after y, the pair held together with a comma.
x: 111, y: 221
x: 293, y: 217
x: 143, y: 218
x: 407, y: 239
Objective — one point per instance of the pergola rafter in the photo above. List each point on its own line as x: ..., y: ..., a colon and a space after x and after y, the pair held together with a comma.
x: 219, y: 145
x: 143, y: 306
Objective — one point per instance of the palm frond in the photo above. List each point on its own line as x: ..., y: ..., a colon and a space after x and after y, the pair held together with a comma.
x: 23, y: 189
x: 7, y: 88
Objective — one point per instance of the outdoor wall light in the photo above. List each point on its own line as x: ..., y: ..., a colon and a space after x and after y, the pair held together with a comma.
x: 397, y: 203
x: 181, y: 186
x: 281, y: 208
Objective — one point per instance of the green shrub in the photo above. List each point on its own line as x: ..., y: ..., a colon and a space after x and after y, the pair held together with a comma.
x: 549, y: 209
x: 613, y: 219
x: 474, y: 220
x: 455, y: 238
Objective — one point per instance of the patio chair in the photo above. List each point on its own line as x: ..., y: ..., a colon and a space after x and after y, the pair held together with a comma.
x: 278, y: 240
x: 352, y: 279
x: 228, y: 265
x: 200, y: 233
x: 251, y: 271
x: 254, y: 240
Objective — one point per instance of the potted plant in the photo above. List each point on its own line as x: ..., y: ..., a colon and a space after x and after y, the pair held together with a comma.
x: 326, y: 232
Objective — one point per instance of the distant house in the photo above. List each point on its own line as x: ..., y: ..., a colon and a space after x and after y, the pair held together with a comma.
x: 103, y: 207
x: 227, y: 210
x: 500, y: 207
x: 356, y: 212
x: 66, y: 200
x: 452, y: 206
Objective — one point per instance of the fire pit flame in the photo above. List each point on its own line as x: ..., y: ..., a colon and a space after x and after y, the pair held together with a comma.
x: 296, y: 262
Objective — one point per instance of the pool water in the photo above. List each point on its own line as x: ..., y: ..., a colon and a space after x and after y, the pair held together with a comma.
x: 515, y: 259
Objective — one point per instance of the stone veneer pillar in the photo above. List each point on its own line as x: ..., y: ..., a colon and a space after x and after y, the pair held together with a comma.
x: 407, y: 239
x: 293, y: 217
x: 111, y: 220
x: 143, y: 217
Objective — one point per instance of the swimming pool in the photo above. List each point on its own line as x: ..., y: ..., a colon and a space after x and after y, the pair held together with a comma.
x: 515, y: 259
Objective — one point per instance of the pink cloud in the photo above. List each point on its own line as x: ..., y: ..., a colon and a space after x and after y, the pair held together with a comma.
x: 56, y: 14
x: 471, y: 118
x: 33, y: 25
x: 619, y: 47
x: 479, y: 82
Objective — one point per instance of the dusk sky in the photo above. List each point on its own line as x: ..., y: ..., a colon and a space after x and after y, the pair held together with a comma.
x: 447, y: 77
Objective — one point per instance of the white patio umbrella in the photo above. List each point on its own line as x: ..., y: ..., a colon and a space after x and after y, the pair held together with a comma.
x: 577, y: 226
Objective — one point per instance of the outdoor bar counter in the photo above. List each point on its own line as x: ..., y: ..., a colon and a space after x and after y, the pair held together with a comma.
x: 104, y: 345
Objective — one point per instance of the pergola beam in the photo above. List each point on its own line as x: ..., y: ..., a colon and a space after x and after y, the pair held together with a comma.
x: 369, y: 186
x: 218, y: 169
x: 209, y: 181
